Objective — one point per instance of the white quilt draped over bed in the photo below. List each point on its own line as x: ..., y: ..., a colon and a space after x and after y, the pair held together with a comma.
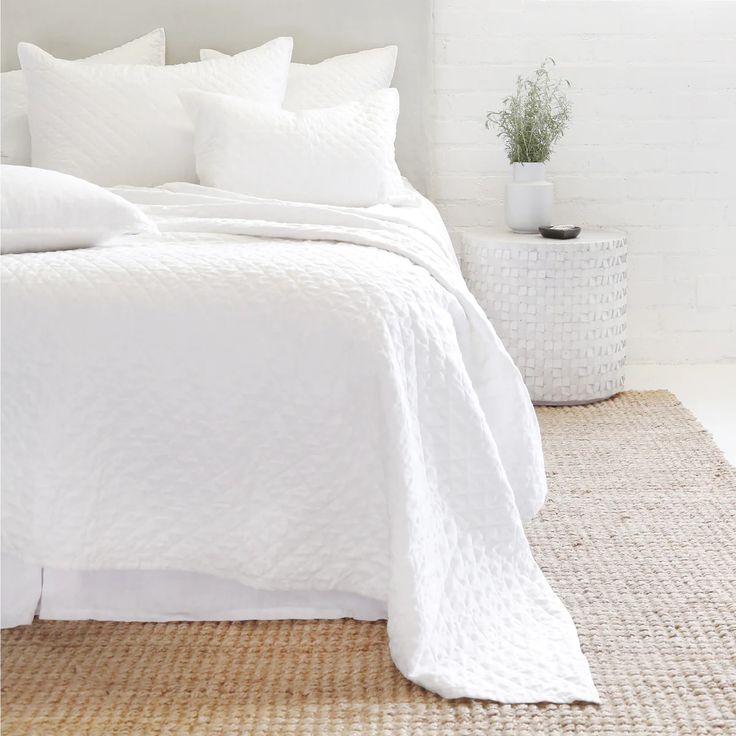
x: 295, y: 397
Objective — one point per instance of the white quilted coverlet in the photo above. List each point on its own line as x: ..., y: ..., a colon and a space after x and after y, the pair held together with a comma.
x: 296, y: 397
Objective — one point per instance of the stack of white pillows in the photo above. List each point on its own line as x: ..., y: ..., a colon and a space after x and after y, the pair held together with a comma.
x: 252, y: 123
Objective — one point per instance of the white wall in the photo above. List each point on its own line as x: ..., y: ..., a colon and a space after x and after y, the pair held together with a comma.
x: 651, y: 149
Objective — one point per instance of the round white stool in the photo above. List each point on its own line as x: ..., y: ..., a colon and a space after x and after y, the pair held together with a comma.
x: 559, y: 306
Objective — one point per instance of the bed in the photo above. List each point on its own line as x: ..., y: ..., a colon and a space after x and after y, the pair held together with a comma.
x: 268, y: 409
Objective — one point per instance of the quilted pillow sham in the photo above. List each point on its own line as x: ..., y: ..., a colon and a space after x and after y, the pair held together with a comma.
x: 45, y: 210
x: 336, y: 80
x: 124, y: 124
x: 341, y: 155
x: 16, y: 139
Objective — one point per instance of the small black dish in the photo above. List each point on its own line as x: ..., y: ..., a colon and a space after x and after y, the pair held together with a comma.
x: 560, y: 232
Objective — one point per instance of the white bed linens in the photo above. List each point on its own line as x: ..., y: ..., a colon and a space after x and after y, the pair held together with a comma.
x: 123, y: 123
x: 15, y: 138
x: 297, y: 397
x: 340, y: 155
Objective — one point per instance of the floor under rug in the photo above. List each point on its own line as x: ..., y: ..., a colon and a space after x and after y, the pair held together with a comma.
x: 638, y: 537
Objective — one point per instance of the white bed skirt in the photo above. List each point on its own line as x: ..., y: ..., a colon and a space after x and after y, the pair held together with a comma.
x: 146, y: 595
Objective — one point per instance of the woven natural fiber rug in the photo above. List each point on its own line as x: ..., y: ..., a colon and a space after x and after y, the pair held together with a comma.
x: 638, y: 537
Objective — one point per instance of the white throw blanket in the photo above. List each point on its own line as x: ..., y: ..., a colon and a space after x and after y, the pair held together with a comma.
x: 295, y: 397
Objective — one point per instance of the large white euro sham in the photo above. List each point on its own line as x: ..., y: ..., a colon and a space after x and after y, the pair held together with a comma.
x: 336, y: 80
x: 124, y: 124
x: 340, y: 155
x: 14, y: 134
x: 45, y: 210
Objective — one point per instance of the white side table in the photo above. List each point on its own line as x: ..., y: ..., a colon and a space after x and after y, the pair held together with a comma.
x: 559, y: 306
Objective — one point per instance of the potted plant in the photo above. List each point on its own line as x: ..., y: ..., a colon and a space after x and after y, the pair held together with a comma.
x: 530, y: 122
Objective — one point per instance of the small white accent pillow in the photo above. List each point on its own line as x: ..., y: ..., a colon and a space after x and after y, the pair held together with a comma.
x: 124, y: 124
x: 336, y: 80
x: 45, y: 210
x: 340, y: 155
x: 16, y: 138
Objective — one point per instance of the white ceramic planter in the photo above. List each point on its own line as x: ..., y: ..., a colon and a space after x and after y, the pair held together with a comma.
x: 529, y: 198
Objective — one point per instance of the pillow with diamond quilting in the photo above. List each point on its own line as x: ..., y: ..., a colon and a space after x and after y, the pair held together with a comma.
x: 124, y: 124
x: 16, y: 138
x: 340, y: 155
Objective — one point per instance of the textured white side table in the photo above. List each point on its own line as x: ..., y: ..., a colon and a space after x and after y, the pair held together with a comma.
x: 559, y: 306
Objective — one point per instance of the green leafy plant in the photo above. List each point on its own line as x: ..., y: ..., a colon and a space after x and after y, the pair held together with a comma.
x: 533, y: 119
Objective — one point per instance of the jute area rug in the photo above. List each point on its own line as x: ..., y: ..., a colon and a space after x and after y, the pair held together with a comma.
x: 638, y: 537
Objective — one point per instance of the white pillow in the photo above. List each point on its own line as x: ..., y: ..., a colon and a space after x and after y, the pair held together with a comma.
x: 124, y: 124
x: 16, y: 139
x: 45, y: 210
x: 336, y: 80
x: 340, y: 155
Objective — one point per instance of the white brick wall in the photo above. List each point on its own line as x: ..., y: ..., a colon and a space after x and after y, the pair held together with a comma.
x: 651, y: 149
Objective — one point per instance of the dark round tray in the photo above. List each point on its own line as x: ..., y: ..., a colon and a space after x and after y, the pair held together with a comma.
x: 560, y: 232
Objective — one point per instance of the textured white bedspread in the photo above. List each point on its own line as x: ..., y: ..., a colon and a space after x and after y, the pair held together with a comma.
x: 297, y: 397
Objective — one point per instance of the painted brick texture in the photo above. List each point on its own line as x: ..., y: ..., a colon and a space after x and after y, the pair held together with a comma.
x: 651, y: 148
